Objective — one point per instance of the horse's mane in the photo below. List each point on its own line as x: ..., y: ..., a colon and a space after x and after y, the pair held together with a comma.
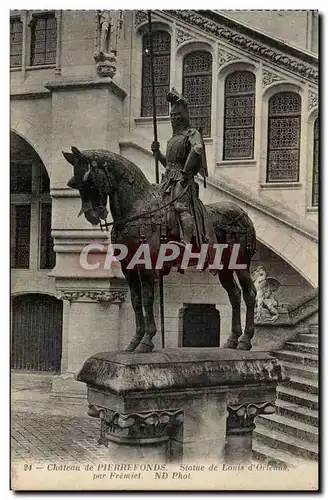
x: 125, y: 167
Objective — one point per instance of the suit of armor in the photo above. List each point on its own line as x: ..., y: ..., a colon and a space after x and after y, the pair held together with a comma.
x: 185, y: 158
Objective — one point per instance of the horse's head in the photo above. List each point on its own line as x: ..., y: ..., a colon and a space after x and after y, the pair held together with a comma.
x: 100, y: 174
x: 91, y: 182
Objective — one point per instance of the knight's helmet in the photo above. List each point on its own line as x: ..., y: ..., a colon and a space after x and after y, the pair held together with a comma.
x: 179, y: 105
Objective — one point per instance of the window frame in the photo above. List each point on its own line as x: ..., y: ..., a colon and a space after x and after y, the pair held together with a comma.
x: 34, y: 199
x: 271, y: 117
x: 32, y: 25
x: 205, y: 73
x: 225, y: 128
x: 14, y: 19
x: 143, y: 69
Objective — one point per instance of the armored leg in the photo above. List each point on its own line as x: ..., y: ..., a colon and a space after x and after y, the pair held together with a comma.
x: 186, y: 227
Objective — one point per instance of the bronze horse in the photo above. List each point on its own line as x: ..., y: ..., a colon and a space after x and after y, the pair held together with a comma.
x: 137, y: 211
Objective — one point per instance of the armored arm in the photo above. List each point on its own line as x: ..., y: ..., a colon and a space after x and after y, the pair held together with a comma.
x: 194, y: 160
x: 157, y: 153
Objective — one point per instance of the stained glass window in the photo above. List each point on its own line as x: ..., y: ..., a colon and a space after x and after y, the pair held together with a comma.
x: 315, y: 178
x: 161, y: 42
x: 43, y: 39
x: 239, y: 107
x: 284, y: 129
x: 197, y: 89
x: 16, y: 41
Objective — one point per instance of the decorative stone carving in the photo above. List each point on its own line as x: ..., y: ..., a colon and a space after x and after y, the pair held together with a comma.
x: 135, y: 428
x: 182, y: 36
x: 248, y: 44
x: 109, y: 24
x: 242, y: 416
x: 266, y: 301
x: 140, y: 17
x: 225, y: 57
x: 239, y: 430
x: 313, y: 99
x: 97, y: 296
x: 268, y: 77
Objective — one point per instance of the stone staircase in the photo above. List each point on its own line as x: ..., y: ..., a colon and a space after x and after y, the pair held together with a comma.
x: 291, y: 434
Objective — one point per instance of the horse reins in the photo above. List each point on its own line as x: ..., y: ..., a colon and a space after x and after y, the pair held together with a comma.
x: 106, y: 225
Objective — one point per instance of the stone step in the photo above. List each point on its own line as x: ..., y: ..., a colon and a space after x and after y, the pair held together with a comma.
x: 302, y: 347
x: 303, y: 384
x: 273, y: 456
x: 299, y: 370
x: 297, y: 412
x: 289, y: 426
x: 297, y: 357
x: 308, y: 338
x: 280, y: 440
x: 298, y: 397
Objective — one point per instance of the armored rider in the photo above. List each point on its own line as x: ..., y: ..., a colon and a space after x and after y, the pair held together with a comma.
x: 185, y: 158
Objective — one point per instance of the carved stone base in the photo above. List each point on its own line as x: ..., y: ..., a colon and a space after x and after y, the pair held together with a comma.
x: 105, y: 69
x: 240, y: 426
x: 106, y: 64
x: 136, y: 428
x: 173, y: 403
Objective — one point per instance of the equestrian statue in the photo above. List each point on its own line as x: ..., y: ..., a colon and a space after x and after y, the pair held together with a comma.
x: 167, y: 213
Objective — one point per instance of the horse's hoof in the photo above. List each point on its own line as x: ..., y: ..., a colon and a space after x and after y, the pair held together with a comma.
x: 144, y: 347
x: 132, y: 346
x: 244, y: 346
x: 230, y: 344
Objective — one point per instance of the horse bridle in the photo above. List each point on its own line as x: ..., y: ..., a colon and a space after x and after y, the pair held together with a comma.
x: 121, y: 222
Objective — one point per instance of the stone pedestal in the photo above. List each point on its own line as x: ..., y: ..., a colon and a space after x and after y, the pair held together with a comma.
x: 190, y: 404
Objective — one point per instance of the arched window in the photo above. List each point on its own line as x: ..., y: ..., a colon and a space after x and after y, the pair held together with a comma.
x: 161, y: 51
x: 197, y: 89
x: 315, y: 177
x: 284, y: 129
x: 239, y: 106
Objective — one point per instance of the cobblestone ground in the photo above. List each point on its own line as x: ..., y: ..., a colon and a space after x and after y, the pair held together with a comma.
x: 45, y: 429
x: 52, y: 438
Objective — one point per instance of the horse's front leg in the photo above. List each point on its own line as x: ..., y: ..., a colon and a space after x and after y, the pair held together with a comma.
x: 147, y: 279
x: 229, y: 283
x: 249, y: 294
x: 134, y: 283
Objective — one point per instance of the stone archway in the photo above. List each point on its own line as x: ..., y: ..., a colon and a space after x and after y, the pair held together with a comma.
x: 36, y: 313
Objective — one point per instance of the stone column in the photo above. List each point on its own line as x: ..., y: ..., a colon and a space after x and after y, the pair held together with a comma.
x: 239, y: 433
x: 92, y: 321
x: 92, y: 305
